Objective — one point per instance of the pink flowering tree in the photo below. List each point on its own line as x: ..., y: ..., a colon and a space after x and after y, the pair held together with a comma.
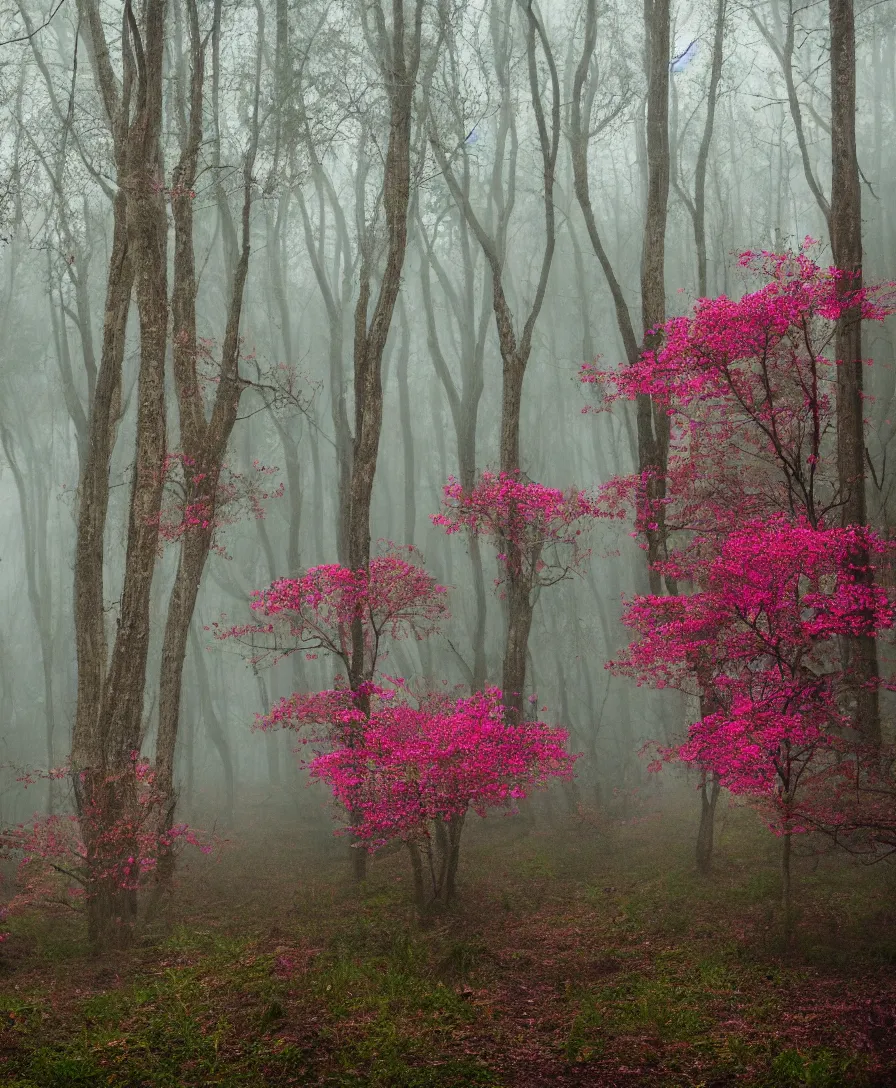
x: 66, y: 860
x: 349, y: 614
x: 394, y: 598
x: 539, y: 533
x: 758, y: 643
x: 749, y: 387
x: 417, y: 770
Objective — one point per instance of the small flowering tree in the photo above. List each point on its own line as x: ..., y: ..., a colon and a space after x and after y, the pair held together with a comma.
x: 539, y: 533
x: 67, y: 860
x: 401, y: 771
x: 750, y: 389
x: 347, y: 613
x: 759, y: 644
x: 393, y: 598
x: 417, y: 770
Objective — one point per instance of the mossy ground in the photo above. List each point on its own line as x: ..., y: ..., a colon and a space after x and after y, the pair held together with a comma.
x: 577, y: 955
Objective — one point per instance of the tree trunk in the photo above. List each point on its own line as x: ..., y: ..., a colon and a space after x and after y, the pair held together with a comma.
x: 33, y: 510
x: 580, y: 126
x: 706, y: 832
x: 400, y: 60
x: 213, y: 725
x: 786, y: 887
x: 653, y: 424
x: 455, y: 829
x: 419, y: 884
x: 697, y: 207
x: 181, y: 606
x: 271, y: 740
x: 204, y: 440
x: 515, y: 350
x: 108, y: 723
x: 519, y: 624
x: 407, y: 430
x: 845, y: 223
x: 442, y: 853
x: 464, y: 404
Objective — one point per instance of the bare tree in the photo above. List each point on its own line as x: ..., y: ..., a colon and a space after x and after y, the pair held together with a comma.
x: 652, y: 425
x: 845, y: 225
x: 468, y: 335
x: 782, y: 42
x: 515, y: 347
x: 109, y: 715
x: 204, y: 432
x: 696, y: 205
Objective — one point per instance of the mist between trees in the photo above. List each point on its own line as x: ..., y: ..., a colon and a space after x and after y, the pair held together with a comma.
x: 273, y: 274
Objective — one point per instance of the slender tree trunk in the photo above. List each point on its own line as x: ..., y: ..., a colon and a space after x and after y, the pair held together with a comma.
x: 271, y: 740
x: 455, y: 829
x: 519, y: 623
x: 419, y: 883
x: 515, y: 349
x: 786, y: 886
x: 697, y: 206
x: 33, y: 511
x: 709, y: 796
x: 407, y: 431
x: 400, y: 61
x: 204, y: 440
x: 464, y: 404
x: 580, y: 126
x: 571, y: 788
x: 213, y: 725
x: 845, y: 223
x: 653, y: 423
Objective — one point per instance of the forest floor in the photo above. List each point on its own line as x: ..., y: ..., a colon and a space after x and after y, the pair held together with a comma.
x: 587, y: 954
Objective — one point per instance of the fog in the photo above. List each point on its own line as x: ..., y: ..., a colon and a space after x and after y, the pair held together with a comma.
x: 292, y: 171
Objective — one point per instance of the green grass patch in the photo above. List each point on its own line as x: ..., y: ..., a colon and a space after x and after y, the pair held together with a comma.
x: 559, y: 955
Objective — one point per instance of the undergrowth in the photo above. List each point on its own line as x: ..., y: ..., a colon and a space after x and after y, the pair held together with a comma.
x: 570, y: 959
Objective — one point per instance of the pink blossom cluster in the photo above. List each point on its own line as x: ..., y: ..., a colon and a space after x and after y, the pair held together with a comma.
x: 413, y: 766
x: 749, y: 386
x: 393, y: 597
x: 747, y: 500
x: 714, y: 350
x: 53, y: 852
x: 336, y: 710
x: 539, y: 529
x: 194, y: 499
x: 758, y: 642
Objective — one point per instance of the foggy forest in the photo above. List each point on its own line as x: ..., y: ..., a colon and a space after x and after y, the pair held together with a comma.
x: 447, y: 543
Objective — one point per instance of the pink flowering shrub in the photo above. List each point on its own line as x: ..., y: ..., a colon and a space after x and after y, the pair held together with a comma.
x: 411, y: 773
x: 758, y: 643
x: 54, y: 860
x: 538, y: 530
x: 416, y: 766
x: 393, y: 598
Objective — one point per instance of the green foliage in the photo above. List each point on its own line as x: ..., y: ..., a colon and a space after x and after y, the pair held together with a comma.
x: 625, y: 961
x: 820, y: 1068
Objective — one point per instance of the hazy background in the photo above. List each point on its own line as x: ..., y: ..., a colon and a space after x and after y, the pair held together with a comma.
x: 322, y: 133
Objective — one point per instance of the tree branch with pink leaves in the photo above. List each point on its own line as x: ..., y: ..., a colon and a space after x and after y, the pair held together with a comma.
x: 540, y: 535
